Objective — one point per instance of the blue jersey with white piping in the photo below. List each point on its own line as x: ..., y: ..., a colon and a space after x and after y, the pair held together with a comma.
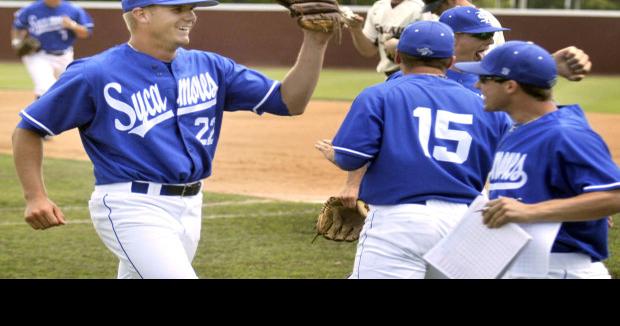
x: 425, y: 137
x: 45, y: 23
x: 142, y: 120
x: 557, y: 156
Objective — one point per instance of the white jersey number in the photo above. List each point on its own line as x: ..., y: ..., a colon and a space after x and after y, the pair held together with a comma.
x: 443, y: 131
x: 206, y: 125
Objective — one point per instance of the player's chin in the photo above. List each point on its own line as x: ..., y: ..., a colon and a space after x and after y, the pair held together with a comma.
x: 489, y: 107
x: 183, y: 41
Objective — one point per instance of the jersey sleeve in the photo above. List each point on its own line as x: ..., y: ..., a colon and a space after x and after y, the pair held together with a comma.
x: 84, y: 19
x: 250, y: 90
x: 66, y: 105
x: 20, y: 20
x: 369, y: 29
x: 585, y: 164
x: 359, y: 135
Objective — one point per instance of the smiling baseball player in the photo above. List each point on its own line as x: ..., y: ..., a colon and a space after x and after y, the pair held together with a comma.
x: 55, y: 24
x: 151, y: 126
x: 552, y: 161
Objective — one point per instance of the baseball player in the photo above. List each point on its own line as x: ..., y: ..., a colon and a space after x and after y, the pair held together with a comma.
x: 149, y: 114
x: 55, y: 24
x: 472, y: 27
x: 384, y: 22
x: 551, y: 167
x: 429, y: 145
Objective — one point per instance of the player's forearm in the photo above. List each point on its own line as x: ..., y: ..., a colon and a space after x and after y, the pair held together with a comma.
x: 17, y: 35
x: 363, y: 45
x: 354, y: 178
x: 28, y: 158
x: 585, y: 207
x: 300, y: 82
x: 81, y: 31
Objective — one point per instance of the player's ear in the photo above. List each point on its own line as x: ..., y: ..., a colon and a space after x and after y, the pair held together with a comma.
x: 397, y: 58
x: 452, y: 62
x: 140, y: 15
x: 511, y: 86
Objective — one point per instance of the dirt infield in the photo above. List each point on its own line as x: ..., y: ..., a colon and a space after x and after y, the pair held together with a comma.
x: 264, y: 156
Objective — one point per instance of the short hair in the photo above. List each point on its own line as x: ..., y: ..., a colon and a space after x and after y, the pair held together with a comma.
x: 410, y: 62
x: 539, y: 93
x: 129, y: 21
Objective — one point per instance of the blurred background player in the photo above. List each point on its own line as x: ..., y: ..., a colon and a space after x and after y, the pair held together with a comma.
x: 384, y: 22
x: 551, y: 173
x: 56, y: 24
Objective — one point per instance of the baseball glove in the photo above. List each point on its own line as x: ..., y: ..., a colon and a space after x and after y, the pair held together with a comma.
x: 315, y: 15
x: 27, y: 46
x: 340, y: 223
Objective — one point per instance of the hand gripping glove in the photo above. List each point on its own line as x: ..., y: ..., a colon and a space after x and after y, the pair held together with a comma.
x: 27, y: 46
x: 315, y: 15
x: 340, y: 223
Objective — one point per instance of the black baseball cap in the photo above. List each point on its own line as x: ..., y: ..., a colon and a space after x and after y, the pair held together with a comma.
x: 432, y: 5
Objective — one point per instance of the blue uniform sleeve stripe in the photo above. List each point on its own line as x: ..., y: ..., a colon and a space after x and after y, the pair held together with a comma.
x: 33, y: 120
x: 342, y: 149
x: 602, y: 187
x: 273, y: 86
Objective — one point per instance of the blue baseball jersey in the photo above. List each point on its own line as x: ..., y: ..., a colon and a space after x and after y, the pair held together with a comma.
x: 426, y: 137
x: 45, y: 23
x: 557, y: 156
x: 142, y: 119
x: 466, y: 79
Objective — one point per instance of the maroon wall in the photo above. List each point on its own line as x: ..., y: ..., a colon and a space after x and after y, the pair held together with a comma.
x: 598, y: 36
x: 272, y: 38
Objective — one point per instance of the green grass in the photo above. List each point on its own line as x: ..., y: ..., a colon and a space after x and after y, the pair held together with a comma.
x: 13, y: 75
x: 267, y: 239
x: 595, y: 93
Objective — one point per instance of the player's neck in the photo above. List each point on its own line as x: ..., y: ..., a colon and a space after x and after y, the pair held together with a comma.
x: 528, y: 110
x: 464, y: 3
x: 425, y: 71
x: 395, y: 3
x: 146, y: 47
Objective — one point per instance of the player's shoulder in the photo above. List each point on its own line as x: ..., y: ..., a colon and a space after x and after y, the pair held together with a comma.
x: 418, y: 4
x: 70, y: 5
x: 202, y: 55
x: 569, y: 124
x: 111, y: 57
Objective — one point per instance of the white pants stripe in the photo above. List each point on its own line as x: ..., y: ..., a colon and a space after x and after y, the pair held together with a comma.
x: 152, y: 236
x: 395, y: 238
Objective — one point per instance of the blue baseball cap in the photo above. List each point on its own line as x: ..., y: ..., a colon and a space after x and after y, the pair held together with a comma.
x: 427, y: 39
x: 522, y: 61
x: 128, y: 5
x: 469, y: 20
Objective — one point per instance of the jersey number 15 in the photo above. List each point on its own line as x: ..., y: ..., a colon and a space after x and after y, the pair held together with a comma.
x: 443, y: 131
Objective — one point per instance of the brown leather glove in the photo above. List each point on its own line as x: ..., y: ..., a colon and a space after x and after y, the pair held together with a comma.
x: 27, y: 46
x: 316, y: 15
x: 340, y: 223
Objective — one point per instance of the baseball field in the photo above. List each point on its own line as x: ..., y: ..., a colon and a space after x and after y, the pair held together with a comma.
x: 260, y: 204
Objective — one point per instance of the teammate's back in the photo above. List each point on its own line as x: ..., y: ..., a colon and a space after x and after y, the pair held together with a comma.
x: 436, y: 141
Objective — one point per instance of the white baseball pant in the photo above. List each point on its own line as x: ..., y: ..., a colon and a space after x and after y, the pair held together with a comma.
x: 44, y: 68
x: 152, y: 235
x: 395, y: 238
x: 572, y: 265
